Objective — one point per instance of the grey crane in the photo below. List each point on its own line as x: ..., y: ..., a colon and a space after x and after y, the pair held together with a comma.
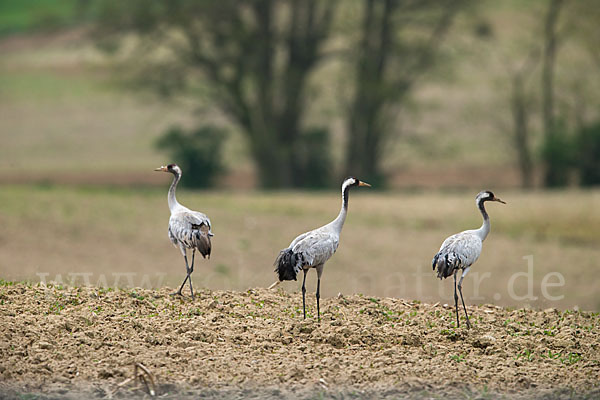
x: 312, y: 249
x: 460, y: 251
x: 187, y: 229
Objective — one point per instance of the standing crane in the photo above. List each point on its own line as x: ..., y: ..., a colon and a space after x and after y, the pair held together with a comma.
x: 187, y: 229
x: 460, y: 251
x: 312, y: 249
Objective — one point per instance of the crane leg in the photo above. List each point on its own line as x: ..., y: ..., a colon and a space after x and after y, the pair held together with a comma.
x: 456, y: 299
x: 187, y: 270
x: 304, y: 293
x: 189, y: 275
x: 319, y: 272
x: 461, y: 296
x: 318, y: 296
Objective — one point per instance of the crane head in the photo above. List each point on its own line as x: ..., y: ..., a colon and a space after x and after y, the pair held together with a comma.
x: 486, y: 195
x: 172, y: 168
x: 352, y: 181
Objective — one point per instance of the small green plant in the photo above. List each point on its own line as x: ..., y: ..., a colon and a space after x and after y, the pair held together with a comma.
x: 259, y: 304
x: 551, y: 355
x: 457, y: 358
x: 430, y: 349
x: 450, y: 334
x: 570, y: 358
x: 96, y: 310
x: 527, y: 354
x: 136, y: 296
x: 56, y: 307
x: 549, y: 332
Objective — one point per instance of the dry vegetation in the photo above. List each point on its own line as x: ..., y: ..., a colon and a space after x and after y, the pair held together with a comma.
x: 386, y: 247
x: 255, y: 343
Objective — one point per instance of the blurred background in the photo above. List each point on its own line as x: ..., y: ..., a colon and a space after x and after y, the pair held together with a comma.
x: 266, y: 105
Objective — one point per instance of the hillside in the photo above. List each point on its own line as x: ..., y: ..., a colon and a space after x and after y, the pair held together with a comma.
x: 62, y: 342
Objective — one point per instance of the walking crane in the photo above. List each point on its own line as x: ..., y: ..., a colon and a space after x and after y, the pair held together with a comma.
x: 312, y: 249
x: 187, y: 229
x: 460, y: 251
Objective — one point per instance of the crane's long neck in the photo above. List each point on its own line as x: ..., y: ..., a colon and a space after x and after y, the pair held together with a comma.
x: 338, y: 223
x: 172, y: 199
x: 485, y: 227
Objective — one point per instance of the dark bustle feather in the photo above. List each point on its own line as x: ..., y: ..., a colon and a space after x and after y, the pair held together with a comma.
x: 202, y: 235
x: 445, y: 267
x: 284, y: 265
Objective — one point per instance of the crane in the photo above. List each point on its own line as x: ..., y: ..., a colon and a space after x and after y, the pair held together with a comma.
x: 312, y: 249
x: 187, y: 229
x: 461, y: 250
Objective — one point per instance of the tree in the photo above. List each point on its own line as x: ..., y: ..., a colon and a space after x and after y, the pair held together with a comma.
x: 520, y: 110
x: 588, y: 160
x: 565, y: 89
x: 398, y: 41
x: 198, y: 151
x: 554, y: 172
x: 255, y: 56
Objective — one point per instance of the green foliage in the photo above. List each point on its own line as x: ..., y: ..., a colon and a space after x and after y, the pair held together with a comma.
x: 314, y: 157
x: 256, y: 69
x: 197, y: 152
x: 565, y: 154
x: 558, y: 154
x: 588, y: 154
x: 37, y: 15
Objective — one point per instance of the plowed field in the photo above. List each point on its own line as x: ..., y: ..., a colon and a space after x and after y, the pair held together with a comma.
x: 83, y: 342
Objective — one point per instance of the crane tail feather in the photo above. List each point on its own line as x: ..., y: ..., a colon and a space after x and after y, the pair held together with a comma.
x: 286, y: 265
x: 445, y: 264
x: 203, y: 243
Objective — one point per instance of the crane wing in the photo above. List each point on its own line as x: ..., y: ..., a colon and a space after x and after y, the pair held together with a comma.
x: 299, y: 238
x: 191, y: 229
x: 458, y: 251
x: 307, y: 250
x: 316, y: 247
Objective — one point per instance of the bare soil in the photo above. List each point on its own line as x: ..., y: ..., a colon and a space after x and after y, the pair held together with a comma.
x: 83, y: 342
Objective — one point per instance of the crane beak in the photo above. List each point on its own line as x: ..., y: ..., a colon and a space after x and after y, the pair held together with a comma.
x: 361, y: 183
x: 161, y: 169
x: 499, y: 201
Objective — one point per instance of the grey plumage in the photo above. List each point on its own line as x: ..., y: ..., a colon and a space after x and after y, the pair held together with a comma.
x: 312, y: 249
x: 188, y: 229
x: 461, y: 250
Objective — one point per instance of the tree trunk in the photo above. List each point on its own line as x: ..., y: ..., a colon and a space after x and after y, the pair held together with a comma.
x: 364, y: 142
x: 553, y: 173
x: 521, y: 131
x: 387, y: 68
